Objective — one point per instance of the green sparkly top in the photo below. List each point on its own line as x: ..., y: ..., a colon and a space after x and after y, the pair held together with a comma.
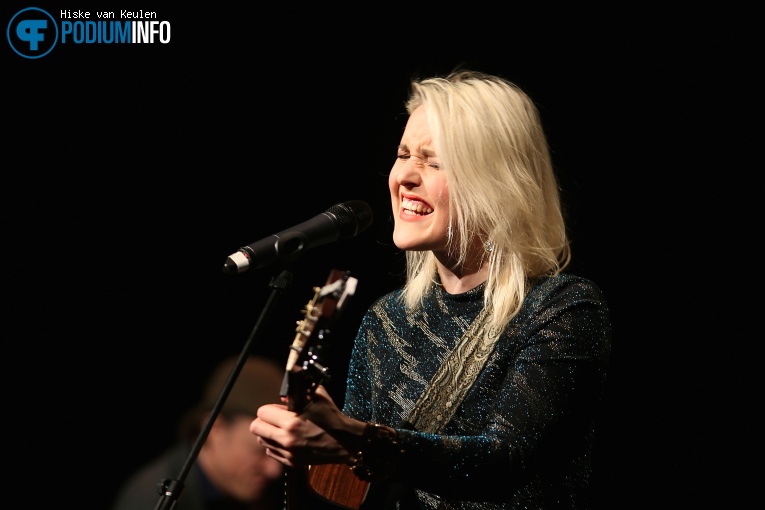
x: 522, y: 435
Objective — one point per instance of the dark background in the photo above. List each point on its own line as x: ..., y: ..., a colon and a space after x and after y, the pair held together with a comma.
x: 130, y: 173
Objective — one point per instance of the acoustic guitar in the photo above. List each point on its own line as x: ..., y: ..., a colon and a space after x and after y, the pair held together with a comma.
x: 305, y: 371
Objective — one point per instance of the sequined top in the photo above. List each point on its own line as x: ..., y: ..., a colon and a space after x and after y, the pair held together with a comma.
x: 522, y: 435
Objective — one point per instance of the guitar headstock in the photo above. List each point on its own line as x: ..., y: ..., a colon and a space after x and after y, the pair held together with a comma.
x: 305, y: 370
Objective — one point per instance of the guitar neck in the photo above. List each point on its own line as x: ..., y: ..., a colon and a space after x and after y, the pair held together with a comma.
x: 333, y: 484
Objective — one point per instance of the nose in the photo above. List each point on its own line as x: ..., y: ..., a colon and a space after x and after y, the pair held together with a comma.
x: 408, y: 173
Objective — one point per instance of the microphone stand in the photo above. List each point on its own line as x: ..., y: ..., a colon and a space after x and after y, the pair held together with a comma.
x: 170, y: 489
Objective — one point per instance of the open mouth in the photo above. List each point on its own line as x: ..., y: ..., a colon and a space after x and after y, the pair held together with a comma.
x: 415, y: 207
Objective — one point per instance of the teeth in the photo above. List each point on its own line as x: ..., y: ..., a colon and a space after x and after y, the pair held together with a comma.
x: 415, y: 207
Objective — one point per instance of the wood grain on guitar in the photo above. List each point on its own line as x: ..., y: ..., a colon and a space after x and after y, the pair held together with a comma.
x: 334, y: 483
x: 337, y: 484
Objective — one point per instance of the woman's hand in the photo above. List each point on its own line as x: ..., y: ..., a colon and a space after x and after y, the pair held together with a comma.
x: 320, y: 435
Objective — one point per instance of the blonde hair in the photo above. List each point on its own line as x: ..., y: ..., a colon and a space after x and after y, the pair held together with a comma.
x: 489, y: 138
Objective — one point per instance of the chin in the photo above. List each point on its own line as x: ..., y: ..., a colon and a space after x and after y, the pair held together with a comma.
x: 404, y: 239
x: 404, y: 244
x: 412, y: 243
x: 252, y: 496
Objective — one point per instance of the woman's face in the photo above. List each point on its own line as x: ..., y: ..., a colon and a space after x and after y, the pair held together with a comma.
x: 418, y: 190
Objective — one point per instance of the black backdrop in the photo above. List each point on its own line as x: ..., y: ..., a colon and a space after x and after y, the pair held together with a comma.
x: 130, y: 172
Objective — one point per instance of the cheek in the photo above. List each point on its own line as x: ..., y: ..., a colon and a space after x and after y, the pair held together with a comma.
x: 393, y: 187
x: 393, y: 182
x: 439, y: 189
x: 273, y: 468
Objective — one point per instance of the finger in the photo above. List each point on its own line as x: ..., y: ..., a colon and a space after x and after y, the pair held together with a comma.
x: 261, y: 428
x: 322, y: 391
x: 268, y: 443
x: 275, y: 414
x: 276, y: 455
x: 275, y: 450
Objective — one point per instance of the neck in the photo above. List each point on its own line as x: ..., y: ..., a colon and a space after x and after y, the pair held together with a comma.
x: 462, y: 279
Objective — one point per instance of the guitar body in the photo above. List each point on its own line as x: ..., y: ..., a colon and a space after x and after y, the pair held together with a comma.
x: 337, y: 484
x: 334, y: 485
x: 331, y: 483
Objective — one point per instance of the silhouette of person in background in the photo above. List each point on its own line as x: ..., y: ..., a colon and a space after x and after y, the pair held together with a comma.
x: 232, y: 471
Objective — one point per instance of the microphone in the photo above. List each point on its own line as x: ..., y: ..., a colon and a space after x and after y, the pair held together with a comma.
x: 341, y: 221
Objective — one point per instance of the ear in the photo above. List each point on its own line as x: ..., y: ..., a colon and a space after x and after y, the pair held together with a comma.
x: 216, y: 430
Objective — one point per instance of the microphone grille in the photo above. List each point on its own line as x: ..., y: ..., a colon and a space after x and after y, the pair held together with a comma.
x: 353, y: 217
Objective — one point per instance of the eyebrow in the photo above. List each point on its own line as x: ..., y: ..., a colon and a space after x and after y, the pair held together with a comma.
x: 425, y: 151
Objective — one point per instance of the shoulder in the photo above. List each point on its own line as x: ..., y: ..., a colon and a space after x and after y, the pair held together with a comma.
x: 573, y: 313
x: 567, y: 285
x: 384, y: 307
x: 140, y: 489
x: 387, y: 301
x: 567, y: 297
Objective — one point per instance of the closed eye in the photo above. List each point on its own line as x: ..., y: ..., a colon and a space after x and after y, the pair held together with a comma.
x: 431, y: 164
